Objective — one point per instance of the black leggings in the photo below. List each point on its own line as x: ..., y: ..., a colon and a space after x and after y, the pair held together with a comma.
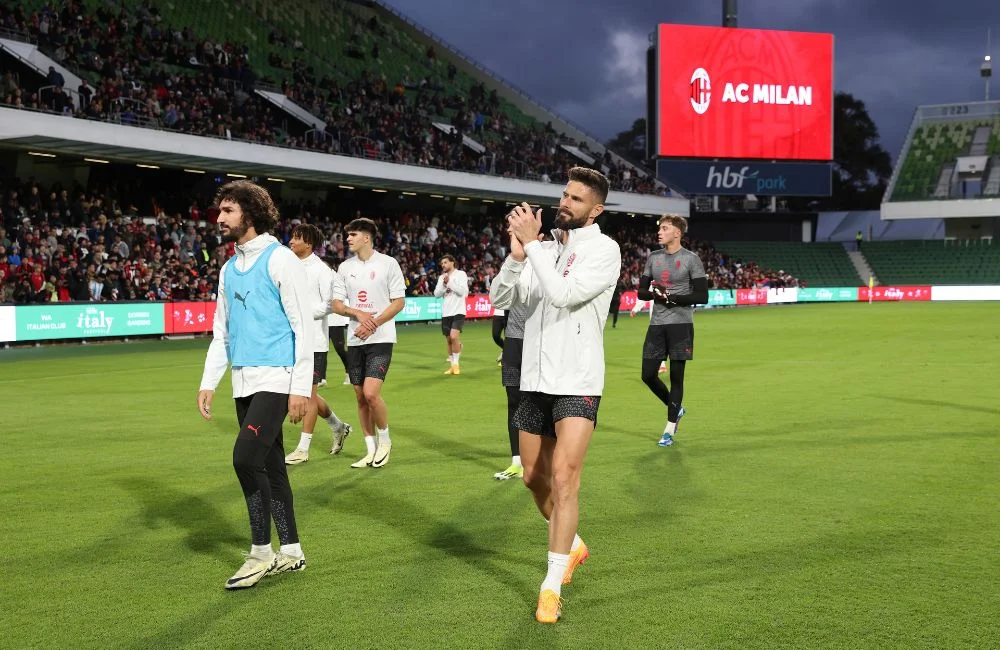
x: 672, y: 397
x: 259, y: 461
x: 513, y: 399
x: 338, y: 334
x: 499, y: 325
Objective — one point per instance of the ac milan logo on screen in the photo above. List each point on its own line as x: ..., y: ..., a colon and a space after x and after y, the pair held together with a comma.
x: 701, y: 91
x: 362, y: 296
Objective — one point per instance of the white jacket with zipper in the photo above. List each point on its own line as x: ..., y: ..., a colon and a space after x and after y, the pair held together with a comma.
x: 568, y: 290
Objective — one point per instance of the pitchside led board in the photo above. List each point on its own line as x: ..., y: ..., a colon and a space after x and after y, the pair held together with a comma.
x: 744, y: 93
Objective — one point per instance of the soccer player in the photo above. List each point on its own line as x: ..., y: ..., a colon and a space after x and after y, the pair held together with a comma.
x: 510, y: 376
x: 369, y: 288
x: 305, y: 238
x: 675, y: 280
x: 453, y: 284
x: 510, y: 373
x: 562, y: 368
x: 262, y: 321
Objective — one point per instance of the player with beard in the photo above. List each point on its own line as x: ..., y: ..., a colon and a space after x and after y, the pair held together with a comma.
x: 562, y: 368
x: 453, y: 286
x: 675, y: 280
x: 262, y: 327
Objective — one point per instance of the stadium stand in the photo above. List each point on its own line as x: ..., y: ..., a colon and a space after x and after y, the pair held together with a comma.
x: 58, y: 244
x: 815, y: 264
x: 937, y: 262
x: 219, y: 70
x: 930, y: 157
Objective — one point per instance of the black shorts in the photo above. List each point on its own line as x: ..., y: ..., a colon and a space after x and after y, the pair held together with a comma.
x: 675, y: 341
x: 449, y: 323
x: 372, y: 360
x: 510, y: 360
x: 319, y: 367
x: 537, y: 413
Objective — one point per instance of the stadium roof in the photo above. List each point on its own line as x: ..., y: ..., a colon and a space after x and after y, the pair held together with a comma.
x: 68, y: 136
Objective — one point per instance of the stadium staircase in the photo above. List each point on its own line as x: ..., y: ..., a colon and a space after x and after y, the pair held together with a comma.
x: 817, y: 264
x: 861, y: 265
x: 934, y: 262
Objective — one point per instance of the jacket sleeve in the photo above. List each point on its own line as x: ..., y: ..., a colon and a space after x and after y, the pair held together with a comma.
x: 460, y: 285
x: 288, y: 275
x: 697, y: 296
x: 439, y: 287
x: 587, y: 281
x: 217, y: 359
x: 323, y: 308
x: 504, y: 289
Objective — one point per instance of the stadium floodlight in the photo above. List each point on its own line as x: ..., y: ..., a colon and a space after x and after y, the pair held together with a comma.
x: 346, y: 187
x: 96, y: 160
x: 195, y: 171
x: 276, y: 180
x: 144, y: 166
x: 42, y: 155
x: 410, y: 193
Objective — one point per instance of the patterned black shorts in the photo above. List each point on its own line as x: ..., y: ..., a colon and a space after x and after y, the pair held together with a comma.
x: 370, y: 360
x: 538, y: 413
x: 675, y: 341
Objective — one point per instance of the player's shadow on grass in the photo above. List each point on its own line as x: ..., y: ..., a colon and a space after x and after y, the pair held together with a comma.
x: 930, y: 403
x: 185, y: 631
x: 453, y: 447
x: 205, y: 527
x: 479, y: 545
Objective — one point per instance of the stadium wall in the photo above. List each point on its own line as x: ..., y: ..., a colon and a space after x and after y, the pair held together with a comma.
x: 85, y: 320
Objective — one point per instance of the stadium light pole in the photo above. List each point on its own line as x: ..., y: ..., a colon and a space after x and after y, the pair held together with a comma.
x: 729, y: 13
x: 986, y: 69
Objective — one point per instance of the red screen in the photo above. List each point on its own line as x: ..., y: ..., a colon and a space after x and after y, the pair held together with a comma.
x: 744, y: 93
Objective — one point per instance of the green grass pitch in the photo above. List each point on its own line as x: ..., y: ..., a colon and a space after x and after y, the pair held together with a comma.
x: 834, y: 485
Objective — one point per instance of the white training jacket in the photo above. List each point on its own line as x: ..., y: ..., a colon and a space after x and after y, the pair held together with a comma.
x: 567, y: 302
x: 287, y: 274
x: 454, y: 293
x: 320, y: 279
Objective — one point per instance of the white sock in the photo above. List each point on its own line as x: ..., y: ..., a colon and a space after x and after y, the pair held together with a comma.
x: 370, y: 444
x: 304, y: 441
x: 383, y: 435
x: 557, y: 569
x: 671, y: 427
x: 576, y: 542
x: 262, y: 552
x: 515, y: 460
x: 292, y: 550
x: 334, y: 421
x: 455, y: 357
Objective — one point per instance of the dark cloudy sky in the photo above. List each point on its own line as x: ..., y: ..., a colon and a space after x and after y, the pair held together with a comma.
x: 586, y: 58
